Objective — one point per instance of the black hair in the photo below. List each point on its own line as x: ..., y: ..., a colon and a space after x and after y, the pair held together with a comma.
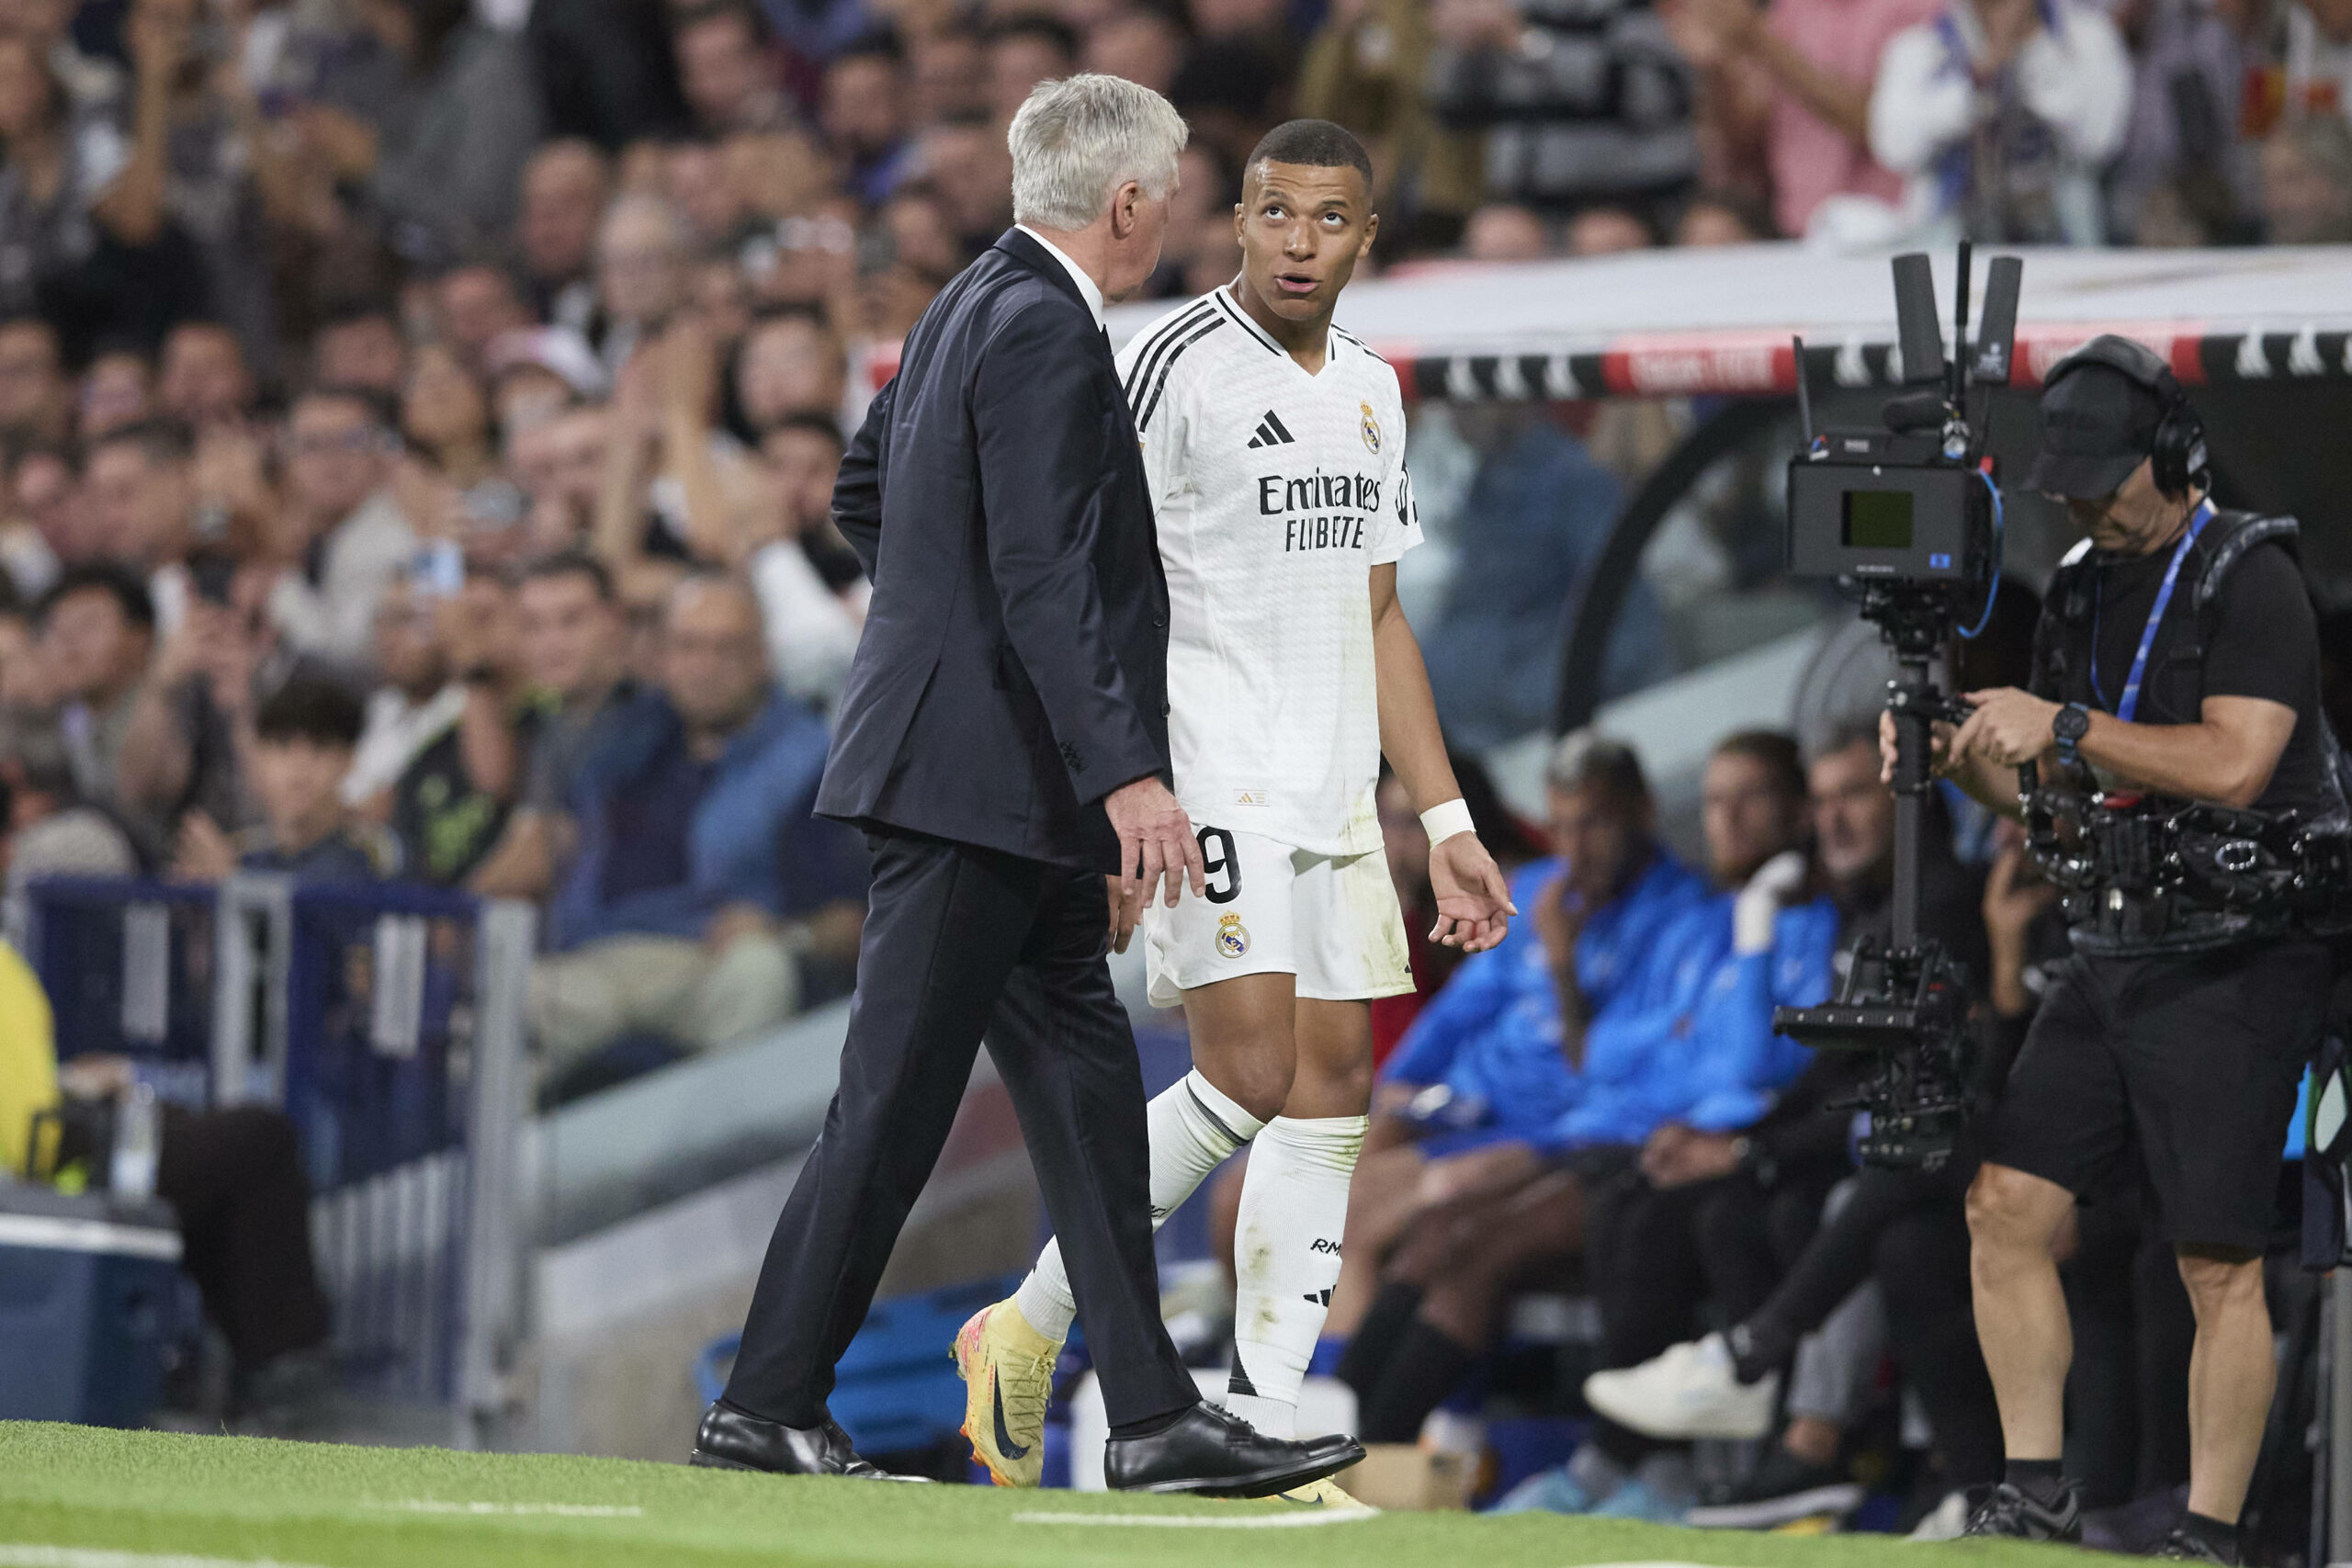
x: 160, y: 441
x: 1051, y: 29
x: 1775, y: 751
x: 572, y: 563
x: 1316, y: 144
x: 743, y: 11
x: 382, y: 409
x: 874, y: 43
x: 313, y: 708
x: 111, y: 578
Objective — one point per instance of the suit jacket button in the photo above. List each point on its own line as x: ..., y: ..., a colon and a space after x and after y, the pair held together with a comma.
x: 1070, y: 757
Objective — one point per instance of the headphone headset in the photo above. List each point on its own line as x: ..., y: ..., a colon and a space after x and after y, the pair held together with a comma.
x: 2177, y: 455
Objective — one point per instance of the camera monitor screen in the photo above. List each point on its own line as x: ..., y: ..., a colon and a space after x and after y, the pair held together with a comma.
x: 1878, y: 520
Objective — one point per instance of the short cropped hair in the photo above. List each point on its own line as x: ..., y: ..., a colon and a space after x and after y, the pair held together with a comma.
x: 1586, y: 758
x: 1077, y: 140
x: 112, y: 578
x: 1775, y: 751
x: 573, y: 563
x: 1316, y: 144
x: 312, y: 708
x: 161, y: 441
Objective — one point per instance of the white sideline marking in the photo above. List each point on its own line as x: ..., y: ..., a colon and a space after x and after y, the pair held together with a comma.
x: 1300, y: 1520
x: 26, y: 1555
x: 517, y: 1510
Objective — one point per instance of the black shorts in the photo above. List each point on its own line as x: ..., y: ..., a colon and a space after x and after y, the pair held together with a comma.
x: 2194, y: 1059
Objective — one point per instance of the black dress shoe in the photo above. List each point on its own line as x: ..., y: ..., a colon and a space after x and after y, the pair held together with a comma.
x: 1215, y: 1453
x: 729, y: 1439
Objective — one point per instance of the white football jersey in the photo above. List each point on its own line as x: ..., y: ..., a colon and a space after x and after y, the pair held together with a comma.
x: 1276, y: 494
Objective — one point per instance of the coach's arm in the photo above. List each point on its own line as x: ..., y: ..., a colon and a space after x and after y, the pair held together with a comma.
x: 858, y: 489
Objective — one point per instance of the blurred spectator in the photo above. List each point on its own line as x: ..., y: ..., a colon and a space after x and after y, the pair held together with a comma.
x: 564, y: 189
x: 789, y: 365
x: 352, y: 539
x: 434, y: 119
x: 966, y: 161
x: 51, y: 829
x: 1608, y: 229
x: 2001, y: 115
x: 1578, y: 106
x: 2307, y: 183
x: 204, y: 379
x: 2181, y: 153
x: 97, y: 640
x: 606, y: 68
x: 303, y: 739
x: 1145, y: 45
x: 642, y: 253
x: 438, y: 759
x: 1717, y: 217
x: 35, y: 399
x: 42, y: 494
x: 2315, y: 57
x: 704, y: 895
x: 947, y: 75
x: 1505, y: 232
x: 1367, y: 69
x: 572, y: 645
x: 862, y: 114
x: 724, y: 70
x: 1021, y: 52
x: 359, y: 347
x: 136, y: 490
x: 478, y: 303
x: 800, y: 567
x: 1536, y: 516
x: 1790, y: 88
x: 118, y: 390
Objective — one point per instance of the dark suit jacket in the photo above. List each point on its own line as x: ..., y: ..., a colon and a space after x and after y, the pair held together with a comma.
x: 1014, y: 665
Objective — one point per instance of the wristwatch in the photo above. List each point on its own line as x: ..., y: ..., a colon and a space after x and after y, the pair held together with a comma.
x: 2072, y: 723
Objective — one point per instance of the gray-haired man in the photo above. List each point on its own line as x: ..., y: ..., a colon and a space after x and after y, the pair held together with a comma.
x: 1003, y: 742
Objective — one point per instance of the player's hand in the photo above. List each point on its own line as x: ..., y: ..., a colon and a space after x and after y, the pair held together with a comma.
x: 1474, y: 907
x: 1156, y: 841
x: 2009, y: 728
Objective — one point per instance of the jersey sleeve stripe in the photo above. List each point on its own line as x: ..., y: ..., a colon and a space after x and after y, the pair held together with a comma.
x: 1253, y: 329
x: 1143, y: 419
x: 1167, y: 332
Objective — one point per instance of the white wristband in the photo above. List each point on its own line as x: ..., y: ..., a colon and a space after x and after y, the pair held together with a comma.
x: 1442, y: 822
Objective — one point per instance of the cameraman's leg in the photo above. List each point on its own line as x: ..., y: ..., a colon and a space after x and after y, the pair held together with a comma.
x: 2230, y: 1376
x: 2062, y: 1127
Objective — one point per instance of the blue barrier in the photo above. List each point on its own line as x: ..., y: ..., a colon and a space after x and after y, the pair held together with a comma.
x: 387, y: 1022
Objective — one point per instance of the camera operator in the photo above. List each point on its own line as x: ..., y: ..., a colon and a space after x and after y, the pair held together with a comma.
x: 2177, y: 656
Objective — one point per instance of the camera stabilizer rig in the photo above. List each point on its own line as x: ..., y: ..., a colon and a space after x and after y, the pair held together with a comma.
x: 1908, y: 519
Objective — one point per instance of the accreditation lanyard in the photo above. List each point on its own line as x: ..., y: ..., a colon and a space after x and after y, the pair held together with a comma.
x: 2129, y: 703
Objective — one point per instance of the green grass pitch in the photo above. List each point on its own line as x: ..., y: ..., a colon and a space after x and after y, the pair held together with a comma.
x: 77, y: 1497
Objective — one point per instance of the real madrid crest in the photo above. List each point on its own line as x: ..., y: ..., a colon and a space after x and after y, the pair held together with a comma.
x: 1371, y: 430
x: 1232, y: 936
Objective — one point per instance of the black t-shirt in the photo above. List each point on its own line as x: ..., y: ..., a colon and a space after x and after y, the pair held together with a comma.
x: 2261, y: 641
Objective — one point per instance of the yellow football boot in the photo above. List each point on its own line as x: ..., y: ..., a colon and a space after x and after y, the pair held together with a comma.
x: 1323, y: 1493
x: 1008, y: 1372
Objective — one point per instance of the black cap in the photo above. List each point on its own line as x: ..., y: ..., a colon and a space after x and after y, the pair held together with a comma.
x: 2098, y: 424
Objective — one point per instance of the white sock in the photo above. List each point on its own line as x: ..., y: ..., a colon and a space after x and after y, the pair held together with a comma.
x: 1286, y: 1255
x: 1194, y: 1126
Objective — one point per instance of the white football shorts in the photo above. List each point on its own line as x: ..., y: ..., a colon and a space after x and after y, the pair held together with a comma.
x: 1332, y: 921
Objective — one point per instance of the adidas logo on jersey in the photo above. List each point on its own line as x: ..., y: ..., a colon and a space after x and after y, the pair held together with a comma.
x: 1270, y: 432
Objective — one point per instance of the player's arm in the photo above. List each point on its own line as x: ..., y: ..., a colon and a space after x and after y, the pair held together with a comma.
x: 1473, y: 901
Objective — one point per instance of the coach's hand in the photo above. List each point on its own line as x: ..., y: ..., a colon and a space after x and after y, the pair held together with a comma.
x: 1156, y: 846
x: 1474, y: 907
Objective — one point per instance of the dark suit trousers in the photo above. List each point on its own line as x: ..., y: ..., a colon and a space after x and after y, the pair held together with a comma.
x: 958, y: 937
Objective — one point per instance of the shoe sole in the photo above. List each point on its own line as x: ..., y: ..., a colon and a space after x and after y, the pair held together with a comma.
x: 702, y: 1460
x: 1262, y: 1484
x: 712, y: 1462
x: 975, y: 1415
x: 1840, y: 1498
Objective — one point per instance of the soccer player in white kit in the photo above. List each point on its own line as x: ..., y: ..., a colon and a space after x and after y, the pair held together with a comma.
x: 1274, y: 445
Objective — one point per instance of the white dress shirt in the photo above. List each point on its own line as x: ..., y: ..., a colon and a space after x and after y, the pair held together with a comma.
x: 1086, y: 288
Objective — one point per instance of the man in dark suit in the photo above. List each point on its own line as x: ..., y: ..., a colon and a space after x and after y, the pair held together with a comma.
x: 1003, y: 742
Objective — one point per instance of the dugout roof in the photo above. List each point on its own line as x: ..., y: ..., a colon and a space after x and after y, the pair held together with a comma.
x: 1676, y: 323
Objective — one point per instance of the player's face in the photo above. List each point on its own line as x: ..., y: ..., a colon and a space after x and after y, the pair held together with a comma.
x: 1303, y: 230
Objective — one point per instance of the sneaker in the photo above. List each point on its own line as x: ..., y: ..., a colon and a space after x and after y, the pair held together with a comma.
x: 1588, y: 1479
x: 1946, y: 1520
x: 2012, y: 1514
x: 2182, y: 1547
x: 1008, y: 1372
x: 1637, y: 1499
x: 1690, y: 1391
x: 1783, y: 1489
x: 1323, y: 1493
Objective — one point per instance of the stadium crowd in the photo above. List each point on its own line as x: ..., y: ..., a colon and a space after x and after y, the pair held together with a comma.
x: 418, y: 420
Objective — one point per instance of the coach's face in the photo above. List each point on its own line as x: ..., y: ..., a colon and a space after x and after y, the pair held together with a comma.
x: 1302, y: 229
x: 1138, y: 226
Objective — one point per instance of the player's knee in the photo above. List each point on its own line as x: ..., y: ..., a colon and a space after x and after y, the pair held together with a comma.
x: 2008, y: 1209
x: 1259, y: 1081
